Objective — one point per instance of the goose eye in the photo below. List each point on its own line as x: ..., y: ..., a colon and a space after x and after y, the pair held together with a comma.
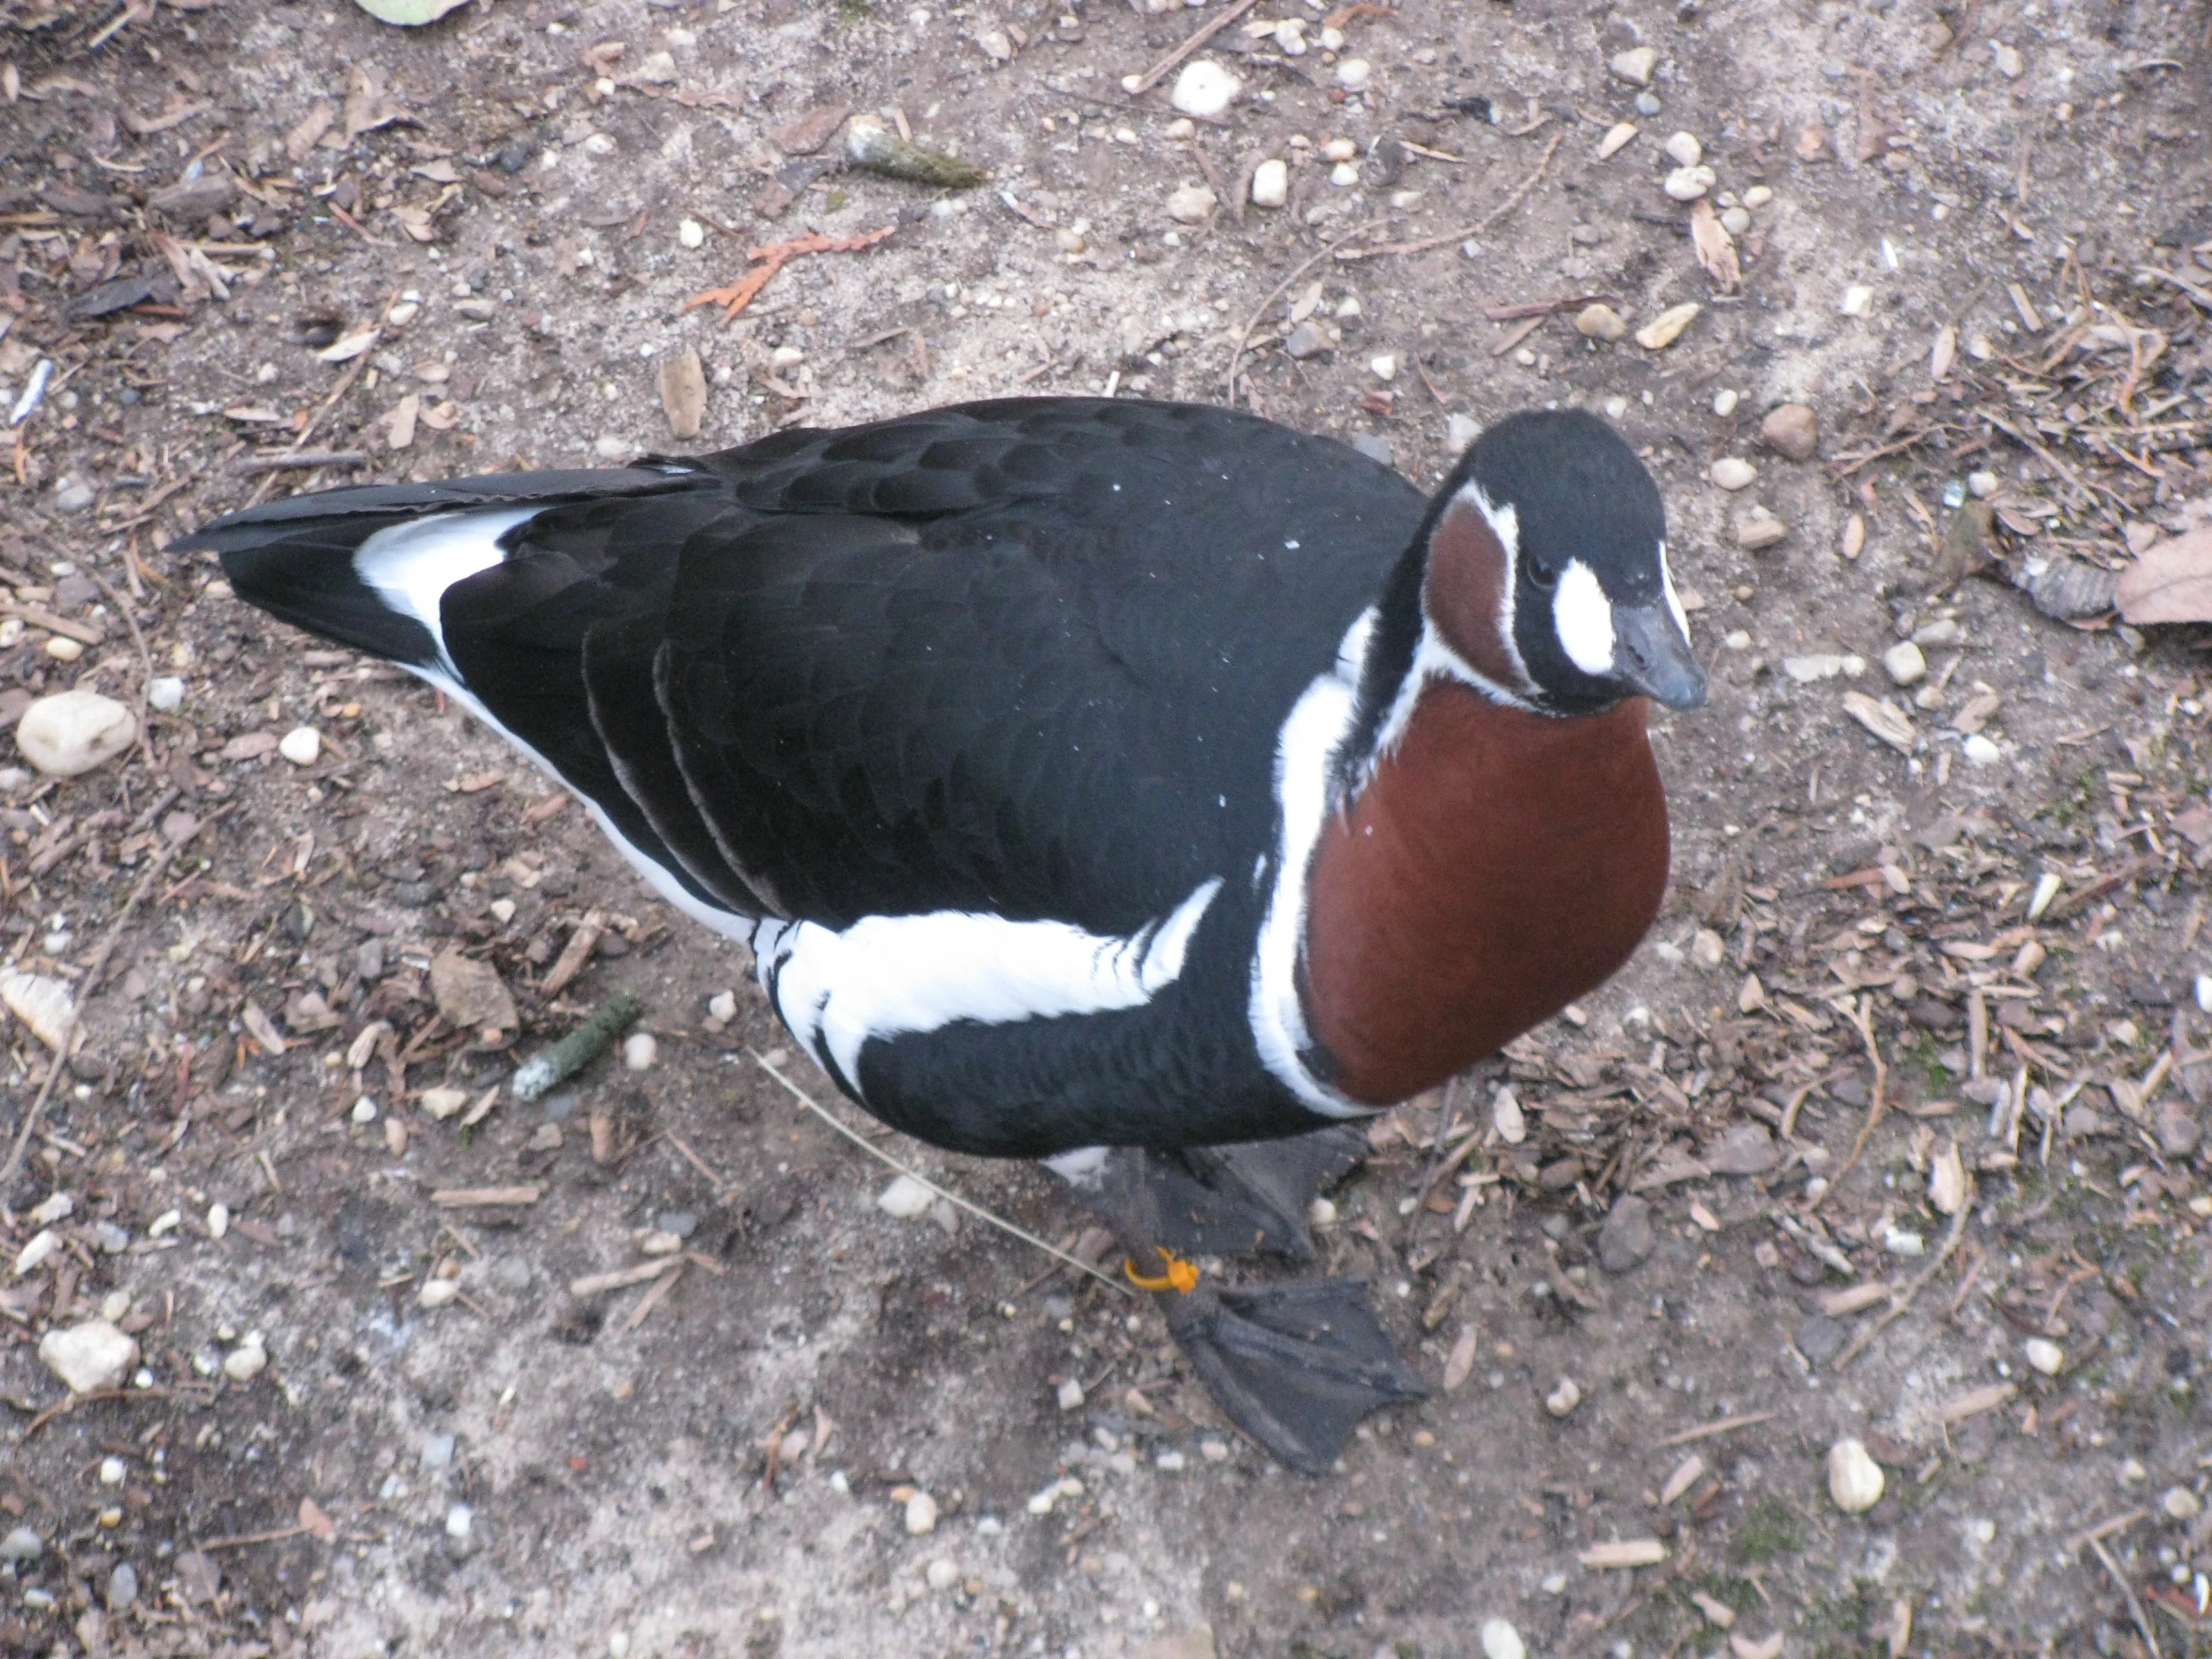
x: 1541, y: 573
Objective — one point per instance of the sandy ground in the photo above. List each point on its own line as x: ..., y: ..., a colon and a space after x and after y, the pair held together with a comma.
x: 1969, y: 254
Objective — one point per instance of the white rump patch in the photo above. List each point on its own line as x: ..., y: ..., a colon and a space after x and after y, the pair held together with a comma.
x: 1585, y: 618
x: 412, y: 565
x: 888, y: 975
x: 1085, y: 1167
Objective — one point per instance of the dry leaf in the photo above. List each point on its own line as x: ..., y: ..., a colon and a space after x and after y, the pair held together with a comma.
x: 811, y: 131
x: 308, y: 133
x: 320, y: 1524
x: 2170, y: 583
x: 399, y: 425
x: 440, y: 417
x: 684, y: 394
x: 367, y: 106
x: 351, y: 345
x: 469, y: 994
x: 260, y: 1028
x: 1716, y: 248
x: 1683, y: 1478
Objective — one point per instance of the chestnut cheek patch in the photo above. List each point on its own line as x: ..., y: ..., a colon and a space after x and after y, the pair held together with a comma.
x: 1469, y: 593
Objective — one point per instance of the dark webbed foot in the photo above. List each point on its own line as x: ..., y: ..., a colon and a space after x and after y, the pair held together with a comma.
x: 1294, y: 1366
x: 1244, y: 1200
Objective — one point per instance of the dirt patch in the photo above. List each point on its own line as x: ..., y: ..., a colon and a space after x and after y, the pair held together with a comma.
x: 201, y: 206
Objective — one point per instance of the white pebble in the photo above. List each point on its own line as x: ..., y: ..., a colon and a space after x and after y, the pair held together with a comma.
x: 73, y: 731
x: 1271, y: 184
x: 1322, y: 1212
x: 1725, y: 401
x: 1683, y: 149
x: 1980, y: 751
x: 690, y: 233
x: 1344, y: 174
x: 301, y: 746
x: 2045, y: 1355
x: 905, y: 1198
x: 438, y: 1293
x: 164, y: 693
x: 1905, y: 662
x: 1205, y: 90
x: 1385, y: 367
x: 458, y: 1519
x: 219, y: 1220
x: 1635, y: 65
x: 921, y: 1514
x: 1732, y: 472
x: 1757, y: 196
x: 1354, y: 74
x: 1460, y: 430
x: 1982, y: 485
x: 1857, y: 301
x: 722, y: 1005
x: 1687, y: 183
x: 1191, y: 203
x: 1855, y: 1479
x: 1501, y: 1641
x: 245, y: 1363
x: 94, y: 1355
x: 2179, y: 1503
x: 1615, y: 137
x: 1339, y: 150
x: 640, y: 1052
x: 1290, y: 37
x: 1070, y: 1395
x: 1564, y: 1398
x: 1735, y: 220
x: 941, y: 1574
x: 111, y: 1471
x: 364, y: 1110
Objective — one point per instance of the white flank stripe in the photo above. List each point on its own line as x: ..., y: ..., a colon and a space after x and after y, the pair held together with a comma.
x: 1305, y: 762
x: 412, y: 565
x: 888, y: 975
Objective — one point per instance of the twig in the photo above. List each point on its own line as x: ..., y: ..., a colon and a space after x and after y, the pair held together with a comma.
x: 1705, y: 1430
x: 652, y: 1298
x: 1862, y: 1017
x: 1153, y: 76
x: 1236, y: 356
x: 296, y: 458
x: 2134, y: 1607
x: 244, y: 1539
x: 1901, y: 1299
x: 85, y: 989
x: 2105, y: 1529
x: 806, y: 1100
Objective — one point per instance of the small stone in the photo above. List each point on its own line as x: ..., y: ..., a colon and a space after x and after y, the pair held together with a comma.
x: 1564, y: 1398
x: 1758, y: 529
x: 1290, y: 37
x: 1687, y: 183
x: 73, y: 732
x: 111, y: 1471
x: 941, y: 1574
x: 1343, y: 175
x: 63, y: 649
x: 438, y: 1293
x: 123, y: 1587
x: 1647, y: 102
x: 1341, y: 150
x: 1855, y: 1479
x: 905, y: 1198
x: 1820, y: 1337
x: 219, y: 1220
x: 640, y: 1050
x: 1725, y: 401
x: 1384, y: 365
x: 2181, y: 1504
x: 364, y: 1110
x: 1683, y: 149
x: 20, y: 1545
x: 921, y: 1514
x: 1507, y: 1118
x: 1599, y: 320
x: 459, y: 1521
x: 996, y: 45
x: 1757, y: 196
x: 2045, y: 1355
x: 1615, y: 137
x: 1735, y: 220
x: 301, y: 746
x: 1070, y: 1395
x: 1635, y: 66
x: 1376, y: 447
x: 1306, y: 340
x: 1205, y: 90
x: 1665, y: 328
x: 722, y: 1005
x: 2008, y: 59
x: 1354, y: 74
x: 1270, y: 182
x: 511, y: 1273
x: 1708, y: 949
x: 1732, y: 472
x: 442, y: 1103
x: 1905, y: 663
x: 1981, y: 485
x: 1460, y: 430
x: 437, y: 1453
x: 164, y: 693
x: 1501, y: 1641
x: 2177, y: 1131
x: 1792, y: 430
x: 1191, y: 203
x: 1980, y: 751
x: 1628, y: 1237
x: 690, y: 234
x: 1857, y: 301
x: 88, y: 1356
x: 1746, y: 1149
x: 74, y: 495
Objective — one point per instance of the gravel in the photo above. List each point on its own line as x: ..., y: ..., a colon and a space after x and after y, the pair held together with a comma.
x: 1628, y: 1237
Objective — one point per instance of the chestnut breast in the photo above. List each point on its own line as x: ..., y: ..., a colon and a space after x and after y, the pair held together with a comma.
x: 1497, y: 866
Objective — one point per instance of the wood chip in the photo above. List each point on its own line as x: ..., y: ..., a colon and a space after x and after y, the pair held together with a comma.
x: 1882, y: 720
x: 1625, y: 1552
x: 1975, y: 1401
x: 684, y: 394
x: 1462, y: 1363
x: 1853, y: 1299
x: 466, y: 1198
x: 1684, y: 1477
x: 596, y: 1284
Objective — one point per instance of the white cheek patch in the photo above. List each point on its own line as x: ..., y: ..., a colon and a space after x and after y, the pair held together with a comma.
x: 1674, y: 600
x: 1583, y: 617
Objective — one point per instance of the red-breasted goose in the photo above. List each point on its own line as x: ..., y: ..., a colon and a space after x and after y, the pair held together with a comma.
x: 1108, y: 782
